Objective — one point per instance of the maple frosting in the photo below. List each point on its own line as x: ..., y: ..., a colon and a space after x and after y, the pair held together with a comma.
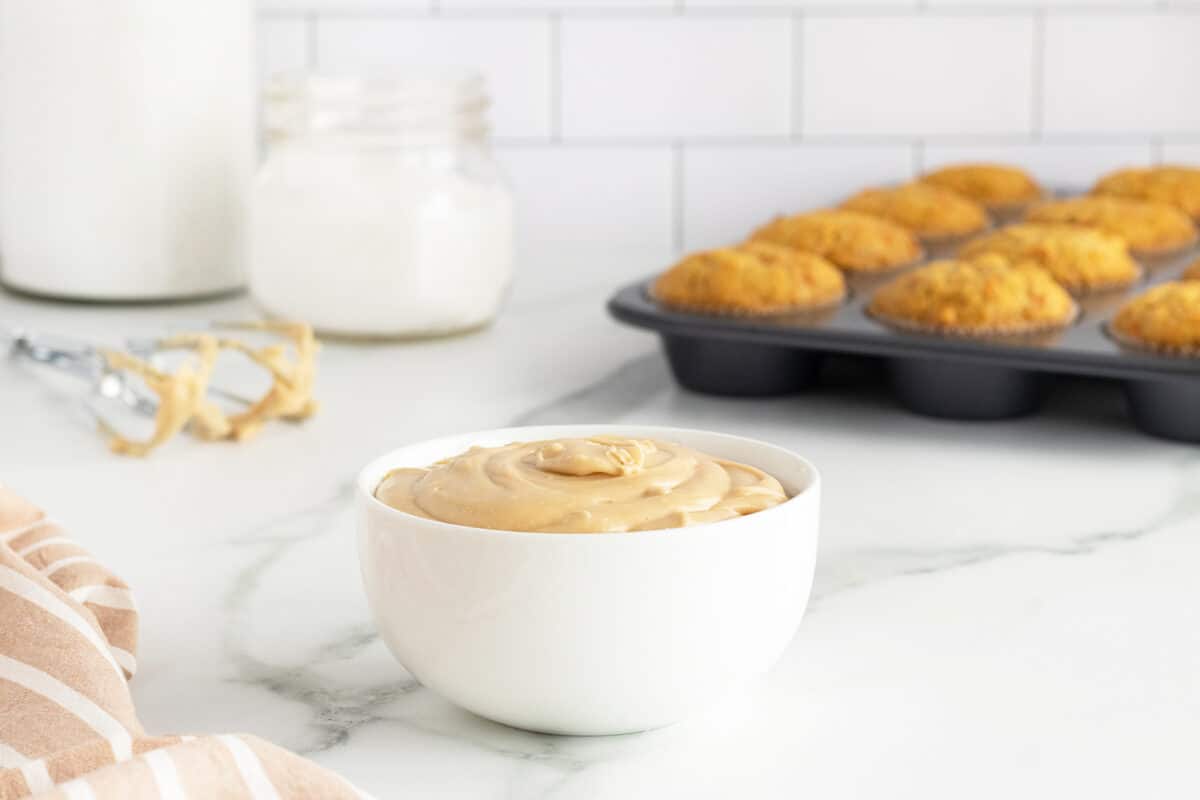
x: 595, y: 485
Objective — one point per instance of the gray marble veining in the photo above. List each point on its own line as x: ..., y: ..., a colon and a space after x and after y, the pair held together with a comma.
x: 1000, y: 610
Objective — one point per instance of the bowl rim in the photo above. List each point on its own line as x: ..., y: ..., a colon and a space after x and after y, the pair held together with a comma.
x: 369, y: 476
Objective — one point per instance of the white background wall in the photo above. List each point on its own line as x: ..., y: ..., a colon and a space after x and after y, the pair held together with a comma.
x: 664, y: 125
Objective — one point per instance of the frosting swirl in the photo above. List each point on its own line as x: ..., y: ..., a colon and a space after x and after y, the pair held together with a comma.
x: 596, y: 485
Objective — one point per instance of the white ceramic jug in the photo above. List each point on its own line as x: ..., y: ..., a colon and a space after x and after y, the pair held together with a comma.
x: 126, y: 146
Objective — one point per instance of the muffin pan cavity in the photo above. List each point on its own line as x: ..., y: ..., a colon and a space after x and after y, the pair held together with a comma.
x: 957, y: 378
x: 740, y: 369
x: 1169, y: 409
x: 950, y: 389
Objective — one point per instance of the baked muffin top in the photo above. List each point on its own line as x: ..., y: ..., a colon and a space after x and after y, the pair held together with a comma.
x: 1192, y: 273
x: 993, y: 185
x: 1081, y: 259
x: 1174, y: 185
x: 1165, y: 318
x: 985, y: 296
x: 753, y: 278
x: 1146, y: 226
x: 850, y: 239
x: 929, y: 211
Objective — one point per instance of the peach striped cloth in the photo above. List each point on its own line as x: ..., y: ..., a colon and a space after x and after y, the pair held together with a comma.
x: 68, y: 728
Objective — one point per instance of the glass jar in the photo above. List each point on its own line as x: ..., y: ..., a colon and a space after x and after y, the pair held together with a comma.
x: 379, y: 211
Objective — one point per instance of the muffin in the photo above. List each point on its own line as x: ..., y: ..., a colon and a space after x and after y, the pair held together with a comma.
x: 854, y: 241
x: 1081, y: 259
x: 1173, y: 185
x: 751, y: 279
x: 1164, y: 319
x: 995, y: 186
x: 929, y: 211
x: 1192, y: 273
x: 1147, y: 227
x: 983, y: 297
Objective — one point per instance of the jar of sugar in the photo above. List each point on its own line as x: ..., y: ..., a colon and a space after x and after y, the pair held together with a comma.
x: 380, y: 211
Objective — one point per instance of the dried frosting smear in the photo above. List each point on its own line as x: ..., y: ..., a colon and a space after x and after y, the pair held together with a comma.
x: 595, y: 485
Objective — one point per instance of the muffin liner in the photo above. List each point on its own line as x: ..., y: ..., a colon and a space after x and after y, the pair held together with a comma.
x: 1167, y: 251
x: 939, y: 239
x: 851, y: 272
x: 945, y: 245
x: 1104, y: 288
x: 992, y: 332
x: 1006, y: 213
x: 1142, y: 346
x: 747, y: 313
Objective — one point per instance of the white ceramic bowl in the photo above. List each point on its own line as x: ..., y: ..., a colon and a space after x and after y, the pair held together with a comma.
x: 590, y: 633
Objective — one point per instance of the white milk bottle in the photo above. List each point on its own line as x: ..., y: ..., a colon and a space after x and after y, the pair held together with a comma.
x: 126, y: 146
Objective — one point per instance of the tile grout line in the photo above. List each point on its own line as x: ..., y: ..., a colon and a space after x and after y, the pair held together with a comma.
x: 851, y: 141
x: 796, y: 93
x: 1037, y: 118
x: 678, y: 191
x: 556, y: 79
x: 920, y: 10
x: 311, y: 50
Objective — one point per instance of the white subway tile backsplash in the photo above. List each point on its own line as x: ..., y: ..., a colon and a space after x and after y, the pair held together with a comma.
x: 676, y: 77
x: 728, y: 191
x: 916, y: 76
x: 282, y: 45
x: 513, y: 54
x: 591, y: 199
x: 649, y: 124
x: 1181, y: 153
x: 1122, y: 73
x: 1056, y: 165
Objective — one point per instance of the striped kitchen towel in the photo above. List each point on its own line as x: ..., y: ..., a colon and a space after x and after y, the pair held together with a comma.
x: 68, y: 728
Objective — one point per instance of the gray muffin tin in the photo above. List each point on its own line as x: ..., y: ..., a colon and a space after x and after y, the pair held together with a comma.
x: 969, y: 379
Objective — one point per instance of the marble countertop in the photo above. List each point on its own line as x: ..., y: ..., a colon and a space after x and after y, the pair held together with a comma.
x: 1002, y: 609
